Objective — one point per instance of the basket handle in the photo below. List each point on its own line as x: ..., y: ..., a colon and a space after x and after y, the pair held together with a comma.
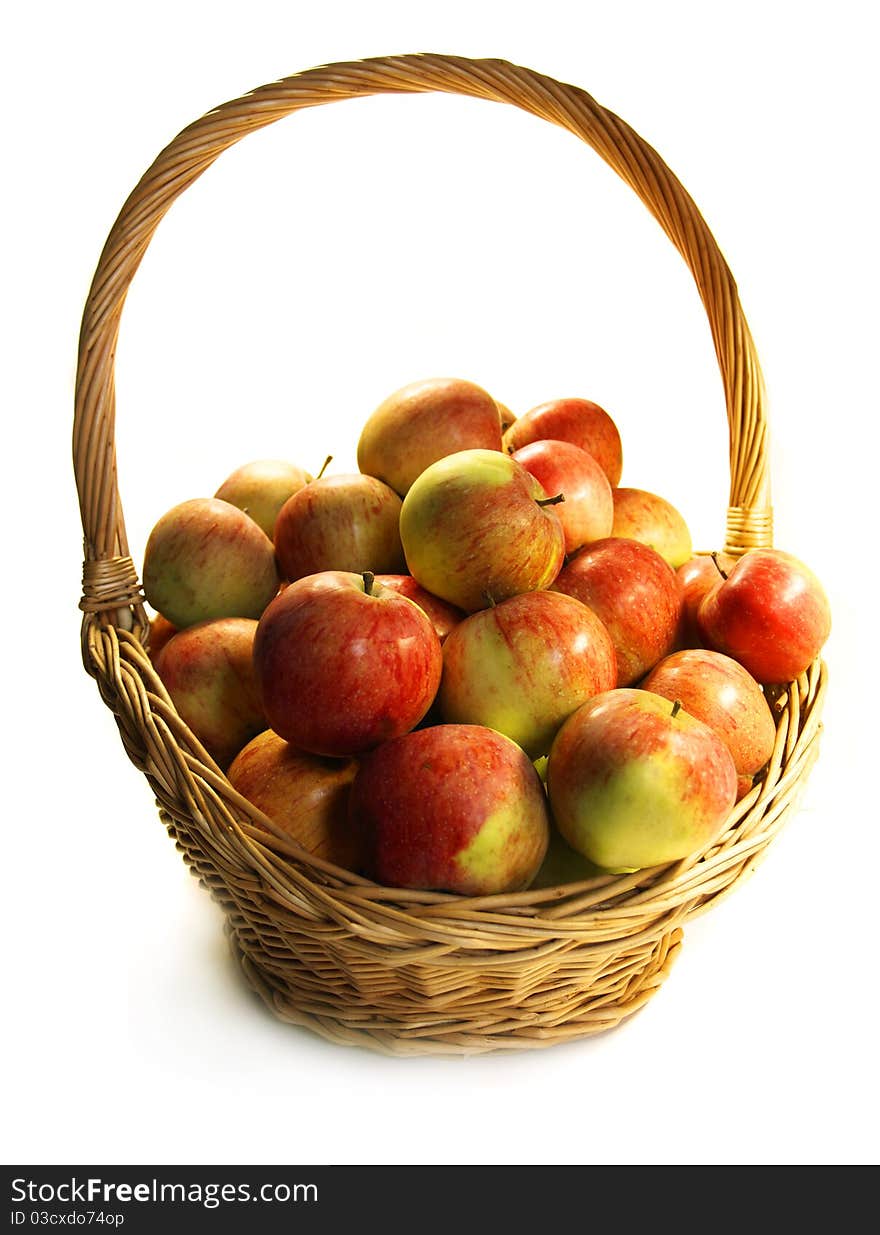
x: 110, y: 582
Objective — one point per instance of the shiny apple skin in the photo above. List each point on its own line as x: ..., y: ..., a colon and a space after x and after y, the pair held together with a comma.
x: 474, y: 531
x: 634, y: 593
x: 423, y: 422
x: 631, y: 784
x: 698, y: 575
x: 443, y: 615
x: 455, y: 808
x: 523, y: 666
x: 650, y: 518
x: 340, y: 671
x: 579, y: 421
x: 261, y: 487
x: 346, y: 522
x: 721, y: 693
x: 771, y: 614
x: 587, y: 514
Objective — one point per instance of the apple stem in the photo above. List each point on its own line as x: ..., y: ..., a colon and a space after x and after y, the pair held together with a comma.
x: 324, y: 465
x: 722, y: 573
x: 550, y: 501
x: 368, y: 578
x: 676, y: 707
x: 487, y: 596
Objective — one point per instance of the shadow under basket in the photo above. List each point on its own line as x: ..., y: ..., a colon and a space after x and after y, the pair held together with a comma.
x: 411, y: 972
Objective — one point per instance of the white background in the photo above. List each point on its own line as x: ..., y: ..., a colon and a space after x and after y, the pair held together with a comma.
x: 318, y: 266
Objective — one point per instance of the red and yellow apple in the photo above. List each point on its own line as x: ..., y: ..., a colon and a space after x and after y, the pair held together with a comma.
x: 443, y: 615
x: 343, y: 664
x: 455, y: 808
x: 771, y: 614
x: 348, y: 522
x: 208, y: 671
x: 587, y: 514
x: 579, y: 421
x: 260, y: 488
x: 635, y: 593
x: 305, y: 796
x: 476, y: 528
x: 651, y: 519
x: 634, y: 781
x: 423, y: 422
x: 698, y: 575
x: 206, y: 559
x: 523, y: 666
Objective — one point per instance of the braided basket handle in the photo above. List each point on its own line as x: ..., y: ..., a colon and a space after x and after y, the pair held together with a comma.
x: 110, y: 582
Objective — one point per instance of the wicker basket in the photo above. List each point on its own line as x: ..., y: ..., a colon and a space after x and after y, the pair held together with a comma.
x: 408, y: 972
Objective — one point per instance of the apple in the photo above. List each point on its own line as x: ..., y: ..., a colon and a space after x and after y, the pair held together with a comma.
x: 634, y: 781
x: 698, y: 575
x: 506, y: 415
x: 260, y: 488
x: 421, y: 423
x: 343, y: 664
x: 476, y: 527
x: 771, y: 614
x: 522, y: 666
x: 443, y: 615
x: 721, y: 693
x: 348, y: 522
x: 635, y: 593
x: 587, y: 514
x: 205, y: 559
x: 208, y: 671
x: 160, y: 632
x: 579, y: 421
x: 454, y: 808
x: 562, y: 864
x: 651, y: 519
x: 304, y: 795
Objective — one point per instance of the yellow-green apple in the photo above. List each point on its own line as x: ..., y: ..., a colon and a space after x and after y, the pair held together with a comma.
x: 454, y: 808
x: 205, y: 559
x: 443, y: 615
x: 635, y: 781
x: 635, y: 593
x: 698, y: 575
x: 579, y: 421
x: 587, y: 514
x: 348, y: 522
x: 477, y: 527
x: 654, y: 521
x: 260, y: 488
x: 524, y: 665
x: 771, y: 614
x: 721, y: 693
x: 304, y: 795
x: 343, y: 664
x: 161, y: 631
x: 562, y: 864
x: 421, y: 423
x: 208, y: 670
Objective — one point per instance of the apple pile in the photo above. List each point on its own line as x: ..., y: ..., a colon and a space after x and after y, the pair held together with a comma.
x: 477, y: 664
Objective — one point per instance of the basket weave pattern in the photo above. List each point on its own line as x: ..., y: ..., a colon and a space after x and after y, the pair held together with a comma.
x: 407, y: 972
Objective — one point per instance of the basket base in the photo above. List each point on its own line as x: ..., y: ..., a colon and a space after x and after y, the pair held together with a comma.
x: 598, y: 1008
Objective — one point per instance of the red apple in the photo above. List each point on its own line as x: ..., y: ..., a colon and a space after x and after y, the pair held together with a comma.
x: 348, y: 522
x: 477, y: 527
x: 343, y: 664
x: 443, y: 616
x: 205, y: 559
x: 304, y: 795
x: 260, y: 488
x: 721, y: 693
x: 654, y: 521
x: 208, y: 671
x: 587, y: 513
x: 455, y: 808
x: 698, y: 575
x: 423, y: 422
x: 579, y: 421
x: 635, y: 593
x: 771, y: 614
x: 523, y: 666
x: 634, y: 781
x: 161, y: 631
